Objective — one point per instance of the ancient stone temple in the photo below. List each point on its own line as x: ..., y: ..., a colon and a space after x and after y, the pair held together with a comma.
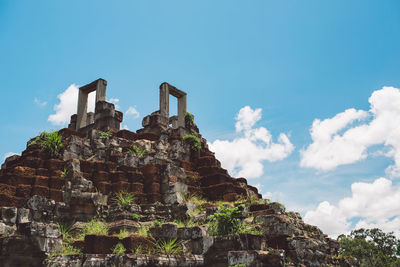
x: 102, y: 196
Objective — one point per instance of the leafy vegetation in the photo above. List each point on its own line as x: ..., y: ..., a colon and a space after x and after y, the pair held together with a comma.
x: 189, y: 121
x: 370, y: 247
x: 226, y: 220
x: 94, y: 227
x: 104, y: 135
x: 50, y: 142
x: 123, y: 233
x: 143, y: 230
x: 194, y: 142
x: 169, y: 247
x: 136, y: 217
x: 246, y: 228
x: 137, y: 151
x: 124, y: 199
x: 64, y: 173
x: 119, y: 249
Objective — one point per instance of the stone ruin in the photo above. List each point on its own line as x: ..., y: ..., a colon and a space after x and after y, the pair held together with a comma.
x: 38, y: 193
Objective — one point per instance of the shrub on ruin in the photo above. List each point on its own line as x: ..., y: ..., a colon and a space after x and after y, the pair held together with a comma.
x: 137, y: 151
x: 119, y: 249
x: 226, y: 220
x: 104, y: 135
x: 50, y: 142
x: 124, y: 199
x: 189, y: 120
x: 123, y: 233
x: 95, y: 227
x: 169, y: 247
x: 143, y: 230
x: 194, y: 142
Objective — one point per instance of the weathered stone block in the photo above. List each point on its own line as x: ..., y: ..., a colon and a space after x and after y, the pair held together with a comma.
x: 100, y: 244
x: 23, y: 216
x: 133, y: 242
x: 9, y: 215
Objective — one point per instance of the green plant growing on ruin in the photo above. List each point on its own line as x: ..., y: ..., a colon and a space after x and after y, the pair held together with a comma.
x: 124, y: 199
x: 194, y: 141
x: 64, y: 173
x: 123, y: 233
x: 104, y: 135
x: 169, y: 247
x: 94, y: 227
x: 138, y: 151
x: 50, y: 142
x: 119, y: 249
x: 65, y: 230
x: 246, y: 228
x: 158, y: 223
x: 226, y: 220
x: 189, y: 120
x: 186, y: 223
x: 136, y: 217
x: 143, y: 230
x: 238, y: 265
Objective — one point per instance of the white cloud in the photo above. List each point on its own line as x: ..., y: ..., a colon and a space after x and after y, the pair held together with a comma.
x: 132, y: 111
x: 371, y: 205
x: 336, y: 141
x: 68, y: 104
x: 125, y: 127
x: 243, y: 156
x: 9, y: 154
x: 115, y: 102
x: 39, y: 103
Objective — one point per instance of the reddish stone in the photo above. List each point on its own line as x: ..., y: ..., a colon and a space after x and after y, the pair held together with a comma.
x: 120, y: 187
x: 100, y: 176
x: 104, y: 187
x: 131, y: 243
x: 56, y: 195
x: 56, y: 173
x: 100, y: 244
x: 126, y: 168
x: 11, y: 201
x: 56, y: 182
x: 126, y: 135
x: 23, y: 191
x: 241, y: 180
x: 186, y: 165
x: 87, y: 166
x: 137, y: 187
x: 40, y: 191
x: 87, y: 175
x: 7, y: 189
x: 33, y: 162
x: 118, y: 176
x: 41, y: 181
x: 42, y: 172
x: 55, y: 164
x: 211, y: 170
x: 79, y: 244
x: 153, y: 178
x: 215, y: 192
x: 67, y: 132
x: 214, y: 179
x: 206, y: 161
x: 140, y: 198
x: 154, y: 198
x: 18, y: 179
x: 153, y: 188
x: 147, y: 136
x: 100, y: 166
x: 134, y: 176
x: 254, y: 189
x: 150, y: 169
x: 23, y: 171
x: 111, y: 166
x: 231, y: 197
x: 34, y: 153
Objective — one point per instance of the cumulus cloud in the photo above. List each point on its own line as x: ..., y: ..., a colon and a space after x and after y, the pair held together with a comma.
x: 346, y: 137
x: 244, y: 155
x: 115, y: 102
x: 39, y: 103
x: 68, y: 102
x: 375, y: 204
x: 132, y: 111
x: 9, y: 154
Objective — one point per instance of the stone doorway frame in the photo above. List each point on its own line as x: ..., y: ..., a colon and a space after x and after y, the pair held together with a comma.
x: 165, y: 90
x: 100, y: 87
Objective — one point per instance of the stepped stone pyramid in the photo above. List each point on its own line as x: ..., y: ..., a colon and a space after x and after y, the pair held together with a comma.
x: 171, y: 183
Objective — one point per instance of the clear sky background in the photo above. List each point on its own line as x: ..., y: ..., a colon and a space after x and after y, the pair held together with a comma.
x: 261, y: 76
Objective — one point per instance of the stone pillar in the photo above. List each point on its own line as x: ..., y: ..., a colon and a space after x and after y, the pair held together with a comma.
x: 82, y: 109
x: 181, y: 110
x: 101, y: 90
x: 164, y: 100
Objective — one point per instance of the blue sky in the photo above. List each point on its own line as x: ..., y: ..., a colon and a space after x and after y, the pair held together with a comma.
x: 297, y: 61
